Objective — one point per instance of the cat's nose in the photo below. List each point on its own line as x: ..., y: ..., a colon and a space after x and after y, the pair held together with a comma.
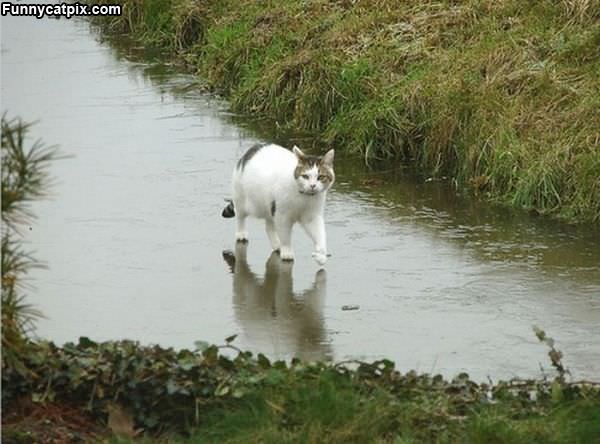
x: 313, y: 185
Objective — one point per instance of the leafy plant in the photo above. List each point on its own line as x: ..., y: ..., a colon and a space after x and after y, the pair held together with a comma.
x: 24, y: 179
x: 223, y: 393
x: 24, y: 171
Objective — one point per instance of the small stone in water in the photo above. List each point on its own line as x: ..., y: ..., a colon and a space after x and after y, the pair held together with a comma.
x: 350, y: 307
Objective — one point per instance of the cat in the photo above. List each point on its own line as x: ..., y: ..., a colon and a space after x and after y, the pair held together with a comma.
x: 282, y: 187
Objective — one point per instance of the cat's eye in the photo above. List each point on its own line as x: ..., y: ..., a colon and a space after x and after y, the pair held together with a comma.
x: 305, y: 176
x: 321, y: 178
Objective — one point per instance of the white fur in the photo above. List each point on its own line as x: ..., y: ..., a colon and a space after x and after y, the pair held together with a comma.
x: 269, y: 176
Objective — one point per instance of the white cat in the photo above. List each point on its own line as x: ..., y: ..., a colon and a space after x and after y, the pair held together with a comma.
x: 282, y: 187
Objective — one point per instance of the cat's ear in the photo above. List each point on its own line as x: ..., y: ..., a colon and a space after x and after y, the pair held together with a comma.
x: 328, y: 158
x: 299, y: 154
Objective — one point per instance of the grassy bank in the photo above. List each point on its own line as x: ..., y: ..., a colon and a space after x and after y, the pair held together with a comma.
x: 125, y: 389
x: 501, y: 96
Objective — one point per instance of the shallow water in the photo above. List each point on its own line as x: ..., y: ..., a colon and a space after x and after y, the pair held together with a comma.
x: 136, y: 247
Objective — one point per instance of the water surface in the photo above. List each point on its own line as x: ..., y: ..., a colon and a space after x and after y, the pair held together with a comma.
x: 136, y: 247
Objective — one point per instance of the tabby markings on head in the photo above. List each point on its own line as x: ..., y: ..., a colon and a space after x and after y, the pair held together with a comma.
x: 306, y: 163
x: 325, y: 173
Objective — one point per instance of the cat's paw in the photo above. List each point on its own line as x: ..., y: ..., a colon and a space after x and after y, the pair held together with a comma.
x: 241, y: 236
x: 286, y: 254
x: 320, y: 257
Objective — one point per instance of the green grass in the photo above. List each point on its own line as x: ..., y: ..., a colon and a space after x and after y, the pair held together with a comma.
x: 503, y: 96
x: 327, y: 411
x: 576, y: 422
x: 323, y: 410
x: 376, y: 420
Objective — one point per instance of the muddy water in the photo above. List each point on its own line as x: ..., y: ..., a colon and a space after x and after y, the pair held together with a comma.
x: 136, y: 247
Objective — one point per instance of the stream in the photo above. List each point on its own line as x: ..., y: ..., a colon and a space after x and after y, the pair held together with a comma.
x: 136, y: 247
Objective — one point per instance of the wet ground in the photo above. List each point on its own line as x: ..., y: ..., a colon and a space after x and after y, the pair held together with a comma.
x: 136, y: 247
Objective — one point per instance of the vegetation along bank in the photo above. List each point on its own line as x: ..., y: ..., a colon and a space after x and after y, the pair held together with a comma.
x: 90, y: 391
x: 500, y: 96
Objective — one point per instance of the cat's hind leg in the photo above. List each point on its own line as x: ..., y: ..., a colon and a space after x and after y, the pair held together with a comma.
x: 241, y: 233
x: 284, y: 232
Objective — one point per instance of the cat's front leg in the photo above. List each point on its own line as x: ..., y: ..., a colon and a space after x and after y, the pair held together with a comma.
x: 284, y: 232
x: 315, y: 228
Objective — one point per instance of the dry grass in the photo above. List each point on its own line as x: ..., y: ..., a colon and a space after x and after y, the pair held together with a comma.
x: 502, y: 95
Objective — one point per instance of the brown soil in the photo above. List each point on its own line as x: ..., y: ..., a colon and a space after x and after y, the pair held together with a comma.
x: 28, y: 422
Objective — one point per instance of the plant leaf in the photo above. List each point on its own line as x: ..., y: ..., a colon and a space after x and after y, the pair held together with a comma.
x: 230, y: 339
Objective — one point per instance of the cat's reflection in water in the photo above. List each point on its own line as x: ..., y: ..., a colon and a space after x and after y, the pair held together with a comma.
x: 274, y: 319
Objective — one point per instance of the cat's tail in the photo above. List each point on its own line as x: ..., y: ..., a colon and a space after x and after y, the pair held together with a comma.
x: 229, y: 210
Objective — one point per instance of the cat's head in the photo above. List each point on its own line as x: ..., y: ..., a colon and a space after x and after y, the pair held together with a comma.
x: 314, y: 174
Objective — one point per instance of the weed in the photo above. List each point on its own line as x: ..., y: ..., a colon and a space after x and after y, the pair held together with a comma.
x: 24, y: 179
